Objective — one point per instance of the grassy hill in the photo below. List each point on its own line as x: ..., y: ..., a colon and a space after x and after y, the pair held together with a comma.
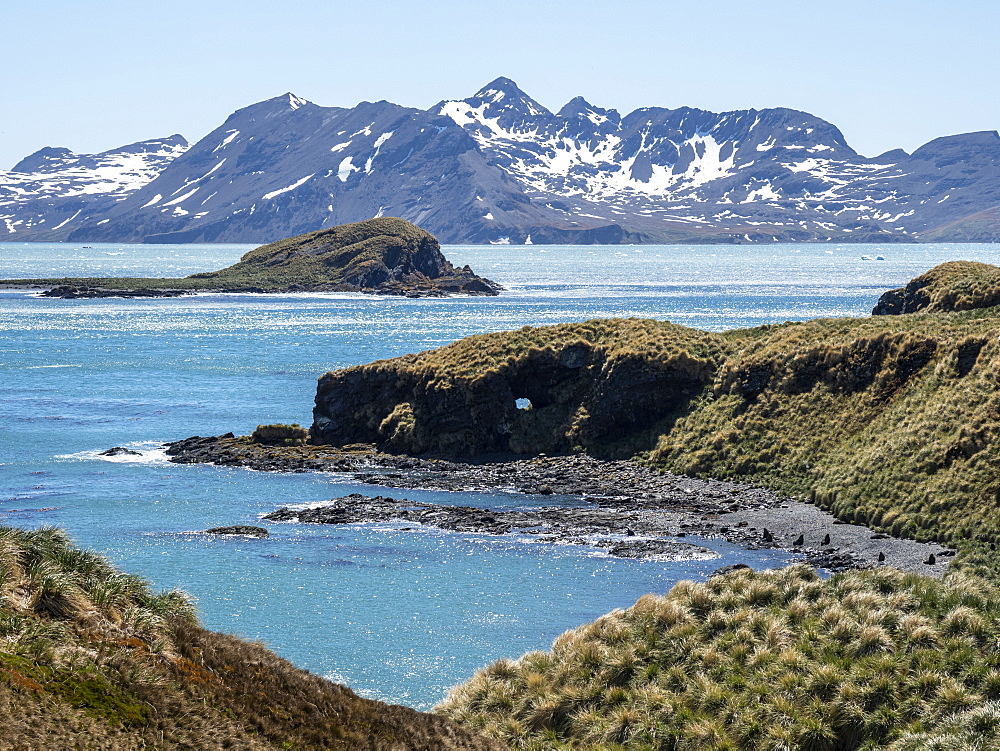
x: 386, y: 255
x: 90, y: 657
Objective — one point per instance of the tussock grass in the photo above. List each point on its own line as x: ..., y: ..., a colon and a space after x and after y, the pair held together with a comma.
x: 884, y: 421
x: 281, y: 434
x: 616, y: 339
x: 779, y: 659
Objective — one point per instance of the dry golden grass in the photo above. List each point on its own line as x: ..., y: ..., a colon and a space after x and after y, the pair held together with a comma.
x: 91, y: 658
x: 952, y: 286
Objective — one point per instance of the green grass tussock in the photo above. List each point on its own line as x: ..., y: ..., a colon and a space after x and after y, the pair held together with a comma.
x: 281, y: 434
x: 779, y: 659
x: 617, y: 339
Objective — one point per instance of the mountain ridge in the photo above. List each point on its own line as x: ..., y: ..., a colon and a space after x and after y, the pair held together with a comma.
x: 499, y: 167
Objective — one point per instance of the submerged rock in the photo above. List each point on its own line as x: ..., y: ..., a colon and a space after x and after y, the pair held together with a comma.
x: 120, y: 451
x: 73, y: 292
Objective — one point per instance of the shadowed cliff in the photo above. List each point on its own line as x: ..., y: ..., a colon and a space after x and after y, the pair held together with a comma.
x: 609, y: 387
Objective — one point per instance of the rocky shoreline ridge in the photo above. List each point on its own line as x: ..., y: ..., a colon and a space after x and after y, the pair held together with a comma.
x: 631, y: 510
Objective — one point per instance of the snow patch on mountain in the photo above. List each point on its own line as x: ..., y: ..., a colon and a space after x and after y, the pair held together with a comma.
x: 293, y: 186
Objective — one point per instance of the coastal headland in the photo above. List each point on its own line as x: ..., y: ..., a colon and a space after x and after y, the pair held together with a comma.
x: 775, y: 435
x: 385, y: 256
x: 888, y: 421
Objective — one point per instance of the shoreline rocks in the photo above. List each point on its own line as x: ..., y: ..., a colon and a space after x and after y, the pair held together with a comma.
x: 622, y: 497
x: 73, y: 292
x: 242, y: 530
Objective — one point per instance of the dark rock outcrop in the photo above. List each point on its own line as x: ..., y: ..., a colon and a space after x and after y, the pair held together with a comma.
x: 568, y: 525
x: 72, y: 292
x: 120, y: 451
x: 238, y: 529
x: 601, y: 395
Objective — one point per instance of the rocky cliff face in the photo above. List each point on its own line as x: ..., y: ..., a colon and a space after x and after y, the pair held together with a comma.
x: 582, y: 390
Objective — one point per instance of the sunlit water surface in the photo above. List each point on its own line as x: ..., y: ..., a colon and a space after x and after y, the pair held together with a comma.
x: 398, y: 615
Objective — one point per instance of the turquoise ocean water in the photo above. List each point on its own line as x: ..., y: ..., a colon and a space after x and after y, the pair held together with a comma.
x: 397, y: 615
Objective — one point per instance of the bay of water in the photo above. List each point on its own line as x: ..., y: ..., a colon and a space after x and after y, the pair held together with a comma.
x: 397, y: 615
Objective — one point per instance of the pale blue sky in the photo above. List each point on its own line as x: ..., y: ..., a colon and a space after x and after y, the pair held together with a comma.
x: 91, y: 75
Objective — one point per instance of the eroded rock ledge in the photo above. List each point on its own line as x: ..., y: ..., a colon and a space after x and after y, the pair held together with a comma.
x: 612, y: 529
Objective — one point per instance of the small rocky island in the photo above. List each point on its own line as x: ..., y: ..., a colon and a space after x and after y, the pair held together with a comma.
x: 385, y: 256
x: 950, y: 287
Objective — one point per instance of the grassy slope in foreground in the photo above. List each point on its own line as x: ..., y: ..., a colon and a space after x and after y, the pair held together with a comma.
x: 388, y: 255
x: 771, y: 660
x: 90, y: 657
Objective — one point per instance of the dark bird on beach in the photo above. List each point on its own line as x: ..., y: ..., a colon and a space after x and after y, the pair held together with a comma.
x: 799, y: 540
x: 881, y: 557
x: 826, y: 539
x: 768, y: 537
x: 931, y: 560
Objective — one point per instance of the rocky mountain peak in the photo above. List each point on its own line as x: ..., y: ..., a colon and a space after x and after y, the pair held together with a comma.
x: 987, y: 141
x: 43, y: 158
x: 578, y: 107
x: 503, y: 97
x: 510, y: 172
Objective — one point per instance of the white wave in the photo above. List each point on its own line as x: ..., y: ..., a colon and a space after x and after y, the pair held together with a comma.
x: 149, y: 452
x: 40, y: 367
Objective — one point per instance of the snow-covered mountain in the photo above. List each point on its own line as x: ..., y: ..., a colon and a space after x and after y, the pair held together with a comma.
x: 500, y: 167
x: 54, y: 187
